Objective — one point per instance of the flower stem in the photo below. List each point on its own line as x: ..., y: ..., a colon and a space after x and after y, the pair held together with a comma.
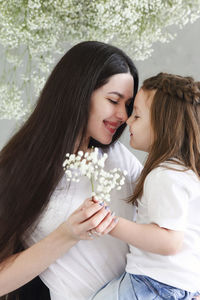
x: 92, y: 184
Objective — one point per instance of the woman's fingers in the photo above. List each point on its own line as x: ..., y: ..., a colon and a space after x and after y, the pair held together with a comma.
x: 112, y: 225
x: 96, y: 218
x: 86, y: 212
x: 90, y: 219
x: 98, y: 222
x: 107, y: 224
x: 86, y: 217
x: 104, y: 223
x: 87, y: 203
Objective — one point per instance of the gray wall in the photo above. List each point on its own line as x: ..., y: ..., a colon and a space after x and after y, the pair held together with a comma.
x: 181, y: 56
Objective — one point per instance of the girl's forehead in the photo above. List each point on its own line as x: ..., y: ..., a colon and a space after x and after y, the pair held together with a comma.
x: 148, y: 95
x: 143, y: 99
x: 146, y: 92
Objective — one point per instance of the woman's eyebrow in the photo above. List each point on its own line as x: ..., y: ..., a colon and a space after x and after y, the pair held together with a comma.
x: 117, y: 93
x: 120, y: 95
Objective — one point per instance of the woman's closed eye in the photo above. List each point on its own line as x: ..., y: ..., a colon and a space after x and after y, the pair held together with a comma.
x: 136, y: 117
x: 113, y: 101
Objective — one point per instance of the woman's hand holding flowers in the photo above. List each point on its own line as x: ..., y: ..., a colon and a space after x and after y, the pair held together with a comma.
x: 90, y: 220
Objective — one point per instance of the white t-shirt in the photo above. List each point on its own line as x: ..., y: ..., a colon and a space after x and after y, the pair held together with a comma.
x: 171, y: 199
x: 89, y: 264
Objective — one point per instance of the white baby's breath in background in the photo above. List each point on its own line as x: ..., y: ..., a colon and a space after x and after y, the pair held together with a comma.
x: 91, y: 165
x: 33, y: 32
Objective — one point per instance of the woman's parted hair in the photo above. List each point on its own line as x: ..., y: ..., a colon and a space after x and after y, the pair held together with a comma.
x: 175, y: 120
x: 31, y: 162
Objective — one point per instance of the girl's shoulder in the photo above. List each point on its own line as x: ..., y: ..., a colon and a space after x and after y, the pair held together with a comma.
x: 173, y: 168
x: 171, y: 173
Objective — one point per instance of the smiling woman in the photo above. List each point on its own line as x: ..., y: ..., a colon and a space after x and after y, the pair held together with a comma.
x: 109, y: 107
x: 85, y: 102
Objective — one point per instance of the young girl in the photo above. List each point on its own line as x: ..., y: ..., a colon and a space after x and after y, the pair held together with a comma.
x: 164, y: 258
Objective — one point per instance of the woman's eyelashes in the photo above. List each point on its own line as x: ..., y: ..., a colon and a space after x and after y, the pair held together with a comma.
x: 117, y: 102
x: 113, y: 101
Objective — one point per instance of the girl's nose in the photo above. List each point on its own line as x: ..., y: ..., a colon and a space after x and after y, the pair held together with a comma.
x: 129, y: 121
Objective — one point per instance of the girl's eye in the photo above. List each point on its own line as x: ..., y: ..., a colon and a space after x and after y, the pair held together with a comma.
x: 136, y: 117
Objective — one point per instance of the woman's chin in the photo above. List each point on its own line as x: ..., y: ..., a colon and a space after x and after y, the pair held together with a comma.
x: 105, y: 141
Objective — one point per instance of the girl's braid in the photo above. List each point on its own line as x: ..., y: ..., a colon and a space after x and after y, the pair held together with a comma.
x: 184, y: 89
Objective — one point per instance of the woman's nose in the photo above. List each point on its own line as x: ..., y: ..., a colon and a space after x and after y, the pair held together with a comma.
x: 122, y: 114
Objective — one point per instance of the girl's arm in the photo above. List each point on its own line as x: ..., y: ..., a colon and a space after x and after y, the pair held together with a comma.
x: 149, y: 237
x: 18, y: 269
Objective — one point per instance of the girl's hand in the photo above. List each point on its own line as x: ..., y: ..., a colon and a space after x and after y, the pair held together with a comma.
x: 89, y: 216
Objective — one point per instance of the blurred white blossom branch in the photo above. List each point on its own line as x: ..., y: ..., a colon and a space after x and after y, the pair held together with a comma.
x: 32, y: 32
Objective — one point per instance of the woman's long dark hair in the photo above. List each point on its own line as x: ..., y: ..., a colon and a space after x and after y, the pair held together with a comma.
x: 31, y: 162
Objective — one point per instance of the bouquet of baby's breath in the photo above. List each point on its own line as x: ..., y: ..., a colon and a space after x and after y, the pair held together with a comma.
x: 90, y: 165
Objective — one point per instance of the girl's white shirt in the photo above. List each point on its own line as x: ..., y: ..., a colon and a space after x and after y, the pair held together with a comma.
x: 171, y: 199
x: 89, y: 264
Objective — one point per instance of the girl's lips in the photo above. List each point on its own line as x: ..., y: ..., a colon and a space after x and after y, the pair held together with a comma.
x: 111, y: 126
x: 130, y: 132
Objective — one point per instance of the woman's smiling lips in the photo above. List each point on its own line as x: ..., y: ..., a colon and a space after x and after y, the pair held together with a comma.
x: 111, y: 126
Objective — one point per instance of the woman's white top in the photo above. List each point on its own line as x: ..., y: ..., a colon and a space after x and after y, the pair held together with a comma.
x: 89, y: 264
x: 170, y: 199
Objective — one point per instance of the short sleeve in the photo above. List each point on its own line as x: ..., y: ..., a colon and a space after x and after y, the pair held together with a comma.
x: 167, y: 198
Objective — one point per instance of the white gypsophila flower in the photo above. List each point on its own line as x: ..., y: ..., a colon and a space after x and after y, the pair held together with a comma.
x: 91, y: 165
x: 34, y: 32
x: 38, y: 83
x: 11, y: 105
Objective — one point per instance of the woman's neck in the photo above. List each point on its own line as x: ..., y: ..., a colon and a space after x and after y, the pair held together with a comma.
x: 82, y: 147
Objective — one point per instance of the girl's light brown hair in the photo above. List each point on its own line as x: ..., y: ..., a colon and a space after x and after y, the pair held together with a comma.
x: 175, y: 119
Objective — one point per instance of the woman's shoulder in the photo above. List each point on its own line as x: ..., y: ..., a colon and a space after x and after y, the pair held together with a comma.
x: 120, y: 156
x: 119, y: 148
